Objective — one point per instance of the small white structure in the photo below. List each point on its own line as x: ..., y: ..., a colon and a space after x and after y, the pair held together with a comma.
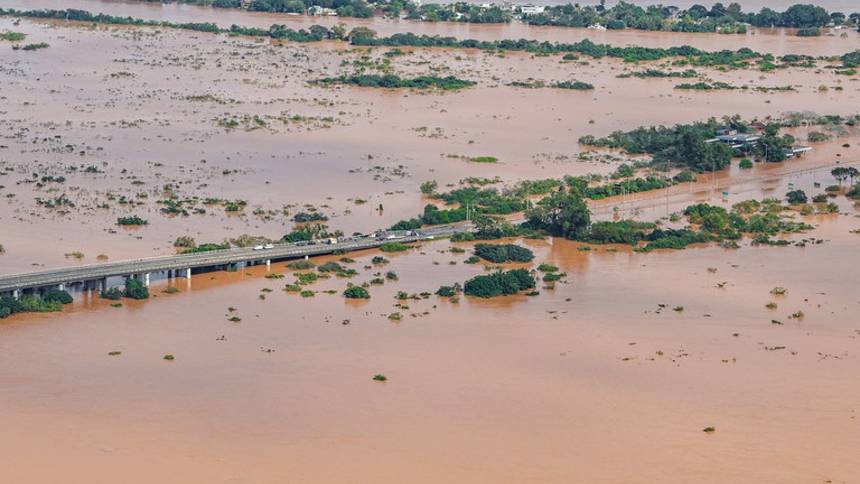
x: 322, y: 11
x: 530, y: 9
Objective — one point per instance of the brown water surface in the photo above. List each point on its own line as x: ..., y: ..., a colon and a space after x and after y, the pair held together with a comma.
x: 595, y: 380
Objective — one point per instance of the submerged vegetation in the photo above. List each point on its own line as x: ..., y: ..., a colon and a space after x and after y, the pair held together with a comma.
x: 131, y: 220
x: 533, y: 84
x: 391, y: 81
x: 499, y: 283
x: 729, y: 19
x: 133, y: 289
x: 50, y: 301
x: 12, y: 36
x: 363, y: 36
x: 693, y: 145
x: 356, y: 292
x: 500, y: 253
x: 37, y: 46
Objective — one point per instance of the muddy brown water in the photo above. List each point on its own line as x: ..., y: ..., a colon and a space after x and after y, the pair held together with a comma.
x: 568, y: 386
x: 775, y: 41
x: 146, y: 113
x: 592, y: 381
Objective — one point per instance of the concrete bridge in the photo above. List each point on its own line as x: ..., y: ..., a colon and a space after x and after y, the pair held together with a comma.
x: 95, y: 276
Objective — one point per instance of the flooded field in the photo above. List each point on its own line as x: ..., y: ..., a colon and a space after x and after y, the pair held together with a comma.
x: 566, y: 386
x: 236, y: 119
x: 775, y: 41
x: 610, y: 375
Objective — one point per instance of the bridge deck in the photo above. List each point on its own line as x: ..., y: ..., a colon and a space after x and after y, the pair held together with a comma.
x: 70, y: 275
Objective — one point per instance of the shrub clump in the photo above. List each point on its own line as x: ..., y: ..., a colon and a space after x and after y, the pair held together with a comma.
x: 499, y: 253
x: 301, y: 265
x: 499, y: 283
x: 135, y: 289
x: 331, y: 266
x: 392, y: 81
x: 393, y: 247
x: 52, y: 300
x: 356, y: 292
x: 112, y: 294
x: 448, y: 291
x: 131, y: 220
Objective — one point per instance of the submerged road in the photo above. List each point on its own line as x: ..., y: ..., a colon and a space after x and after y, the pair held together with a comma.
x: 95, y: 275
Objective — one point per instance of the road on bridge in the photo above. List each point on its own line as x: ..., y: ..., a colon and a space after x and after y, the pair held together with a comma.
x: 215, y: 258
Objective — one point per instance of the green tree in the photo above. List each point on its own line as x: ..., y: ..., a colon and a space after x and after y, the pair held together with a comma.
x: 562, y: 213
x: 135, y: 289
x: 356, y: 292
x: 796, y: 197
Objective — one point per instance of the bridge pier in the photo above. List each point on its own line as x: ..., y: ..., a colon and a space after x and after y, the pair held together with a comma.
x: 16, y: 294
x: 188, y: 273
x: 146, y: 279
x: 101, y: 284
x: 268, y: 264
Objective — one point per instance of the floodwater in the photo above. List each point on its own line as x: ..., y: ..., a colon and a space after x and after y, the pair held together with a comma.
x: 775, y: 41
x: 845, y: 6
x: 568, y: 386
x: 149, y: 112
x: 591, y: 381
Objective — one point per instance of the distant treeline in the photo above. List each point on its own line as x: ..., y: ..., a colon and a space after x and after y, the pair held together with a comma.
x: 363, y: 36
x: 719, y: 18
x: 728, y: 19
x: 392, y: 81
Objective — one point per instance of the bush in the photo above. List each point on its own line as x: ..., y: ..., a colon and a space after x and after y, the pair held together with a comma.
x: 499, y: 253
x: 40, y: 45
x: 331, y: 267
x: 112, y: 294
x: 303, y: 278
x: 462, y: 237
x: 393, y: 247
x: 746, y: 164
x: 616, y: 232
x: 135, y: 289
x: 304, y: 217
x: 576, y: 85
x: 448, y: 291
x: 356, y: 292
x: 685, y: 176
x: 817, y: 136
x: 392, y: 81
x: 809, y: 32
x: 207, y: 247
x: 57, y: 296
x: 28, y: 304
x: 301, y: 265
x: 796, y: 197
x: 499, y: 284
x: 185, y: 242
x: 553, y: 276
x: 131, y: 220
